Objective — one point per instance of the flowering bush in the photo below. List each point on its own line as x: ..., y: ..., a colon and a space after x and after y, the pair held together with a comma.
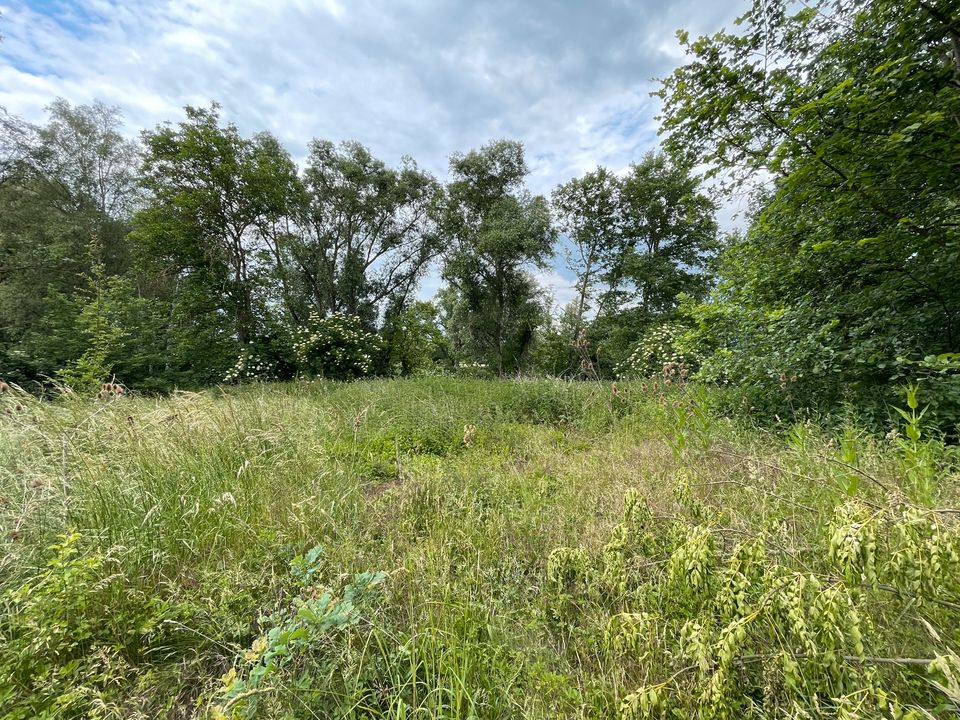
x: 474, y: 369
x: 657, y: 348
x: 335, y: 347
x: 251, y: 367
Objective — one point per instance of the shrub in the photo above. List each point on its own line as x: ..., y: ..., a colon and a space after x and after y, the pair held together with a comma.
x: 702, y: 629
x: 317, y: 613
x: 61, y: 652
x: 336, y: 347
x: 251, y: 367
x: 415, y: 342
x: 659, y: 345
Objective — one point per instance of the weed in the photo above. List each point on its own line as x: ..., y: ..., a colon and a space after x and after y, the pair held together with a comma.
x: 490, y: 549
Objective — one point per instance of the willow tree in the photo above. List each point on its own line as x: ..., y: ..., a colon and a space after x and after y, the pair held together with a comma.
x: 499, y: 232
x: 367, y: 231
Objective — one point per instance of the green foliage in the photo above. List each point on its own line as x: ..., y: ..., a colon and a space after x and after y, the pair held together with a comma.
x: 65, y: 185
x: 72, y: 633
x: 701, y: 561
x: 209, y: 237
x: 251, y: 367
x: 843, y: 279
x: 102, y: 333
x: 660, y: 346
x: 365, y: 233
x: 316, y: 615
x: 669, y: 235
x: 335, y: 347
x: 499, y: 231
x: 589, y: 212
x: 414, y: 340
x: 739, y: 633
x: 638, y: 244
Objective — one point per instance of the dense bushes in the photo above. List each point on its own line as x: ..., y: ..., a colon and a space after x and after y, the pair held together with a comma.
x: 335, y: 347
x: 73, y: 632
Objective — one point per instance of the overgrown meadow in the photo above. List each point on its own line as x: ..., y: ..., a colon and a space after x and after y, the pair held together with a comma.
x: 455, y: 548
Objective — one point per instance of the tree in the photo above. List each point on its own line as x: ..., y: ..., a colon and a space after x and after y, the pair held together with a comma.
x: 561, y: 349
x: 368, y: 231
x: 89, y: 164
x: 213, y: 233
x: 640, y: 243
x: 17, y: 139
x: 589, y: 213
x: 498, y: 230
x: 669, y: 236
x: 67, y: 190
x: 414, y: 340
x: 852, y: 109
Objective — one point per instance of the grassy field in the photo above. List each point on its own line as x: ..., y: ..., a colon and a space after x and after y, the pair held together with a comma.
x: 446, y: 548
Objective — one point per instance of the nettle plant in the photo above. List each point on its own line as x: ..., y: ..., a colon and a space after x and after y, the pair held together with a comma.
x: 659, y: 347
x: 697, y: 626
x: 335, y: 347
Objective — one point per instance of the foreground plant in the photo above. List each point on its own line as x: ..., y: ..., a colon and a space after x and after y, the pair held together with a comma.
x: 700, y: 627
x: 315, y: 615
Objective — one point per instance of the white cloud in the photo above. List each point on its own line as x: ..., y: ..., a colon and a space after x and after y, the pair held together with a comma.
x: 423, y: 78
x: 559, y: 287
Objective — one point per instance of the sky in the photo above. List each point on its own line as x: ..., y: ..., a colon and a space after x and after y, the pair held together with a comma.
x: 425, y: 78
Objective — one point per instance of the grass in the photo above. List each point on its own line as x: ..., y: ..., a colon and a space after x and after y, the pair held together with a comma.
x: 355, y: 550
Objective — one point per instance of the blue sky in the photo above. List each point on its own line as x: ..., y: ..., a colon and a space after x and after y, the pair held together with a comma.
x: 423, y: 78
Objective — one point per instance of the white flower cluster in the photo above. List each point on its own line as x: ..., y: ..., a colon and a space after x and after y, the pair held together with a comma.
x: 337, y: 341
x: 472, y: 369
x: 250, y: 367
x: 656, y: 348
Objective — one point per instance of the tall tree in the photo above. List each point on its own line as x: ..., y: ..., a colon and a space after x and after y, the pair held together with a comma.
x: 669, y: 236
x: 210, y: 235
x: 499, y: 231
x: 589, y: 213
x: 368, y: 231
x: 639, y: 242
x: 66, y: 193
x: 92, y: 167
x: 852, y: 109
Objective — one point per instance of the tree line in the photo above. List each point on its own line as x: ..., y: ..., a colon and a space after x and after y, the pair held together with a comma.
x: 199, y: 253
x: 162, y: 262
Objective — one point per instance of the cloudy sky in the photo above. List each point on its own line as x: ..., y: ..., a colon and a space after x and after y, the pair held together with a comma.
x: 571, y: 79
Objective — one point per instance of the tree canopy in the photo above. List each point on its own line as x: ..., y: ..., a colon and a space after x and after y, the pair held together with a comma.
x: 850, y: 112
x: 201, y: 253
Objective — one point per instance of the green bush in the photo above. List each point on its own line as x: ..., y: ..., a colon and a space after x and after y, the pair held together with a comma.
x: 554, y: 402
x: 72, y: 634
x: 335, y: 347
x: 659, y: 345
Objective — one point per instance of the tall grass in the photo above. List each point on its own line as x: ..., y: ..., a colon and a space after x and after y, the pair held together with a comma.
x: 190, y: 520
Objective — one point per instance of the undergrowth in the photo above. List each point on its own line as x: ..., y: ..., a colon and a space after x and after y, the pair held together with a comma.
x: 453, y: 548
